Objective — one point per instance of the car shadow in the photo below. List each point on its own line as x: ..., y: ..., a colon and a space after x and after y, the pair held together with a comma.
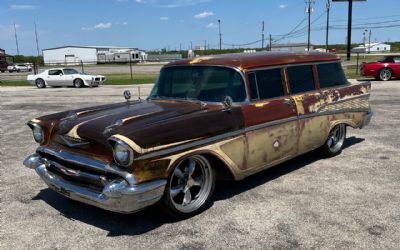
x: 152, y: 217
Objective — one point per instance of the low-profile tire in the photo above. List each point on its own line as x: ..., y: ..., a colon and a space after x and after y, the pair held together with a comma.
x: 40, y: 83
x: 335, y: 141
x: 385, y: 74
x: 189, y: 188
x: 78, y: 83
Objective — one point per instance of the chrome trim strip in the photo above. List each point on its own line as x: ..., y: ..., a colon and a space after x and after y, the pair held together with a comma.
x: 90, y: 163
x: 240, y: 132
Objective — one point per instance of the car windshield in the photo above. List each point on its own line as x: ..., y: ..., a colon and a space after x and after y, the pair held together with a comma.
x: 386, y: 59
x: 70, y: 71
x: 203, y: 83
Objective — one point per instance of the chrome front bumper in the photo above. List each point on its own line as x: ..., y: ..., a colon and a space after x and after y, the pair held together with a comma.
x: 117, y: 195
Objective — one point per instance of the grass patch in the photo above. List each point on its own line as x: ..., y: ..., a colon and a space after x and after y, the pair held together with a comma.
x: 125, y: 79
x: 13, y: 83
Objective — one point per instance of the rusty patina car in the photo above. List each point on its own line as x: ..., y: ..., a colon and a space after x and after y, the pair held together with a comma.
x: 208, y: 118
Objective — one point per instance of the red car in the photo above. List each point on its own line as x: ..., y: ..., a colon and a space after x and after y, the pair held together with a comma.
x: 384, y: 69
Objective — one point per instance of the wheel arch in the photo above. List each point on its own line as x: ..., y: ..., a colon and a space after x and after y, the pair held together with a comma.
x: 223, y: 171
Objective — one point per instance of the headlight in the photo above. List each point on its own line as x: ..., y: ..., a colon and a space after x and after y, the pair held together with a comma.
x: 123, y: 154
x: 38, y: 134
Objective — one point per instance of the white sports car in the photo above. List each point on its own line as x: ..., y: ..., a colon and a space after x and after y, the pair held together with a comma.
x: 65, y: 77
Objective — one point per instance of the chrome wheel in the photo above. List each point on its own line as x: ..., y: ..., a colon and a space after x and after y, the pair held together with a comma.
x: 40, y: 83
x: 191, y: 184
x: 385, y: 74
x: 336, y: 138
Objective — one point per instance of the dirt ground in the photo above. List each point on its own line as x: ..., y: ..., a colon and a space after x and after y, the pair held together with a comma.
x: 349, y: 201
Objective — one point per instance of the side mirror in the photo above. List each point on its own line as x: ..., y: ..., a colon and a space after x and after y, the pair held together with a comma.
x: 227, y: 102
x: 127, y: 95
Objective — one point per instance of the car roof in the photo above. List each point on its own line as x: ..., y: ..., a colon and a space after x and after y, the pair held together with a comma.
x: 259, y: 59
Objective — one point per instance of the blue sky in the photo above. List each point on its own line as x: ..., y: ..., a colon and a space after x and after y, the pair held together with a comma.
x: 156, y: 24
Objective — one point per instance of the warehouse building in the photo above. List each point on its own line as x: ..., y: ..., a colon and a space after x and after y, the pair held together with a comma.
x: 291, y: 47
x: 372, y: 47
x: 73, y: 55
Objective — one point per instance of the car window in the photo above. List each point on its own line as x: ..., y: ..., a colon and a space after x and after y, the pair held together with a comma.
x: 70, y: 71
x: 301, y: 79
x: 396, y: 59
x: 331, y: 74
x: 386, y: 59
x: 205, y: 83
x: 268, y: 84
x: 55, y: 72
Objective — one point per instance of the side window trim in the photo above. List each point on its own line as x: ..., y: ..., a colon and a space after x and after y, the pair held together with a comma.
x: 313, y: 76
x: 255, y: 81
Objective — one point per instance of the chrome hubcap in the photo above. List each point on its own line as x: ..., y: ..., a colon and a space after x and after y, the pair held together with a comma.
x: 386, y: 74
x: 336, y: 138
x: 190, y: 184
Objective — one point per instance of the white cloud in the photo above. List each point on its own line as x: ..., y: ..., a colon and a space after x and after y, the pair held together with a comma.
x: 283, y: 6
x: 204, y: 14
x: 103, y: 26
x: 122, y: 1
x: 23, y: 7
x: 164, y: 18
x: 125, y: 23
x: 140, y: 1
x: 211, y: 25
x: 98, y: 26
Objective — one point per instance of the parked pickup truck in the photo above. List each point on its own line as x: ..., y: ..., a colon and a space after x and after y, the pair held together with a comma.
x: 206, y: 119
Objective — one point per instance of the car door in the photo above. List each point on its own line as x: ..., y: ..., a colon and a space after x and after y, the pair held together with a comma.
x: 396, y: 66
x: 312, y: 124
x: 53, y: 77
x: 270, y: 120
x: 66, y: 78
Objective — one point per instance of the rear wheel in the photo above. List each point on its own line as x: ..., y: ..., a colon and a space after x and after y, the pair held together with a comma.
x: 334, y: 144
x: 78, y: 83
x: 190, y: 187
x: 40, y: 83
x: 385, y: 74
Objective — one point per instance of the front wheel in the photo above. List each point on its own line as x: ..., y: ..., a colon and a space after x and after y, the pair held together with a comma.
x: 78, y: 83
x: 334, y: 144
x: 385, y: 74
x: 190, y: 187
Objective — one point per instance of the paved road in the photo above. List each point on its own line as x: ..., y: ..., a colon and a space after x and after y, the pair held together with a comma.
x: 349, y: 201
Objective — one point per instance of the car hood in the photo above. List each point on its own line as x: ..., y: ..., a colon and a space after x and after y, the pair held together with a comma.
x: 147, y: 123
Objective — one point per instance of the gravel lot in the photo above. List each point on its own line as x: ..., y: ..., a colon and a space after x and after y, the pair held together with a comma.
x: 349, y: 201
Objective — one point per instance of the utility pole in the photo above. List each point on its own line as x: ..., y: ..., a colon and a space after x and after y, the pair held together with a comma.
x: 205, y: 46
x: 262, y: 35
x: 309, y: 10
x: 328, y: 7
x: 37, y: 42
x: 349, y: 21
x: 270, y: 42
x: 180, y: 46
x: 369, y: 42
x: 220, y: 35
x: 191, y: 45
x: 16, y: 38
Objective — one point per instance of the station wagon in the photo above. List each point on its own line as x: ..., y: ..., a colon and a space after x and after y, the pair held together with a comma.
x: 206, y: 119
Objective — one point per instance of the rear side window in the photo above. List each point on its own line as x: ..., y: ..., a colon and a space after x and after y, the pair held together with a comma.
x: 300, y: 79
x: 266, y: 84
x: 330, y: 75
x: 55, y: 72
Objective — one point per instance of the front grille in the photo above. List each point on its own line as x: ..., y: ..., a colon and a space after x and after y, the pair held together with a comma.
x: 97, y: 79
x: 85, y: 176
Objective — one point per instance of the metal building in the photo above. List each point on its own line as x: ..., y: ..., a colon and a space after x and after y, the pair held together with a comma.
x: 72, y: 55
x: 373, y: 47
x: 291, y: 47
